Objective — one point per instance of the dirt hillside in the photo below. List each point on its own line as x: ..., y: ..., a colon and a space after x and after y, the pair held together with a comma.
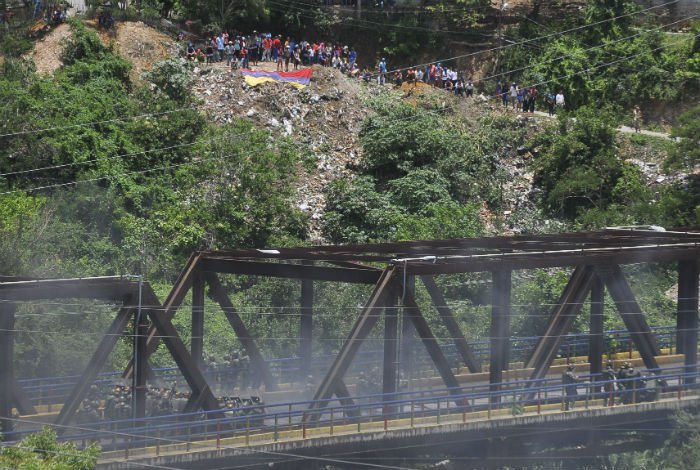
x: 137, y: 42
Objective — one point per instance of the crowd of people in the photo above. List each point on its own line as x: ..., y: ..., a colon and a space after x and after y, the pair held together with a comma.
x: 160, y: 401
x: 239, y: 50
x: 627, y: 384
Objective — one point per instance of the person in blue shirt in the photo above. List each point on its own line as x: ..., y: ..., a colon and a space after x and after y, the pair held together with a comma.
x: 381, y: 78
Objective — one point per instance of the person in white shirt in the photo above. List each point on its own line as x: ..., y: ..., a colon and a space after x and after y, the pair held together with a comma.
x: 559, y: 100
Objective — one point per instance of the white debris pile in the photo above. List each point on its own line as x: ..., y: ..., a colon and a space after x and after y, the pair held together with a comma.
x: 324, y: 118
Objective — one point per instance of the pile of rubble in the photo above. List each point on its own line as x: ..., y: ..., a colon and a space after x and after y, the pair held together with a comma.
x: 324, y: 117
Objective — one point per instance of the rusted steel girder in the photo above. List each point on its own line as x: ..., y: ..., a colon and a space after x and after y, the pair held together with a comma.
x: 244, y: 336
x: 7, y: 376
x: 448, y: 318
x: 361, y: 328
x: 172, y: 303
x: 501, y: 286
x: 631, y: 314
x: 104, y: 348
x: 291, y: 271
x: 560, y: 321
x: 596, y: 339
x: 431, y: 345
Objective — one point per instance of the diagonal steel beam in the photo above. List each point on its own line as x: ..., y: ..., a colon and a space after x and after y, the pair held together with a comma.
x: 244, y: 336
x: 448, y: 318
x: 431, y: 345
x: 631, y: 314
x: 178, y: 351
x: 343, y: 394
x: 93, y: 368
x: 363, y: 325
x: 172, y: 303
x: 560, y: 321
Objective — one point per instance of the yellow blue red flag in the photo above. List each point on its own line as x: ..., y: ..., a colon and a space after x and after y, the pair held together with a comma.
x: 298, y: 78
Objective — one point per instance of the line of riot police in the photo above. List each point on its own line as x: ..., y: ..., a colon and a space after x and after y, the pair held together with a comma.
x: 160, y: 401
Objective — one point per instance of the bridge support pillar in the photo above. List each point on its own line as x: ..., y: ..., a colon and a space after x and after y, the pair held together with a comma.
x: 141, y: 369
x: 687, y: 314
x: 306, y: 326
x: 596, y: 341
x: 408, y: 334
x: 390, y: 370
x: 500, y: 329
x: 197, y: 347
x: 7, y: 381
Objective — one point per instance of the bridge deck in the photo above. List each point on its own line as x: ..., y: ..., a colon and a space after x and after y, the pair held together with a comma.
x: 373, y: 432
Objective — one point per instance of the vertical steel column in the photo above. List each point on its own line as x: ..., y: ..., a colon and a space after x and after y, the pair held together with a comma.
x: 306, y: 327
x: 7, y: 381
x: 391, y: 346
x: 408, y: 341
x: 687, y: 315
x: 500, y: 328
x: 596, y: 341
x: 142, y: 369
x: 197, y: 347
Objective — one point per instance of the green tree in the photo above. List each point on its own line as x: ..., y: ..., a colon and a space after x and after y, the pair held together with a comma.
x: 579, y: 170
x: 686, y: 153
x: 41, y: 451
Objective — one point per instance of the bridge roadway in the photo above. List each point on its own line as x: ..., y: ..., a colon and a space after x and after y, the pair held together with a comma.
x: 47, y: 394
x: 480, y: 423
x: 424, y: 384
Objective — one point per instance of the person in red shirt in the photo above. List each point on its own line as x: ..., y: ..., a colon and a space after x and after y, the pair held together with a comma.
x: 267, y: 49
x: 276, y: 46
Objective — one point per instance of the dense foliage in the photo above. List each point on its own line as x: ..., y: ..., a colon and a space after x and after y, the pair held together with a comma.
x: 423, y: 175
x: 41, y: 451
x: 128, y: 194
x: 611, y: 57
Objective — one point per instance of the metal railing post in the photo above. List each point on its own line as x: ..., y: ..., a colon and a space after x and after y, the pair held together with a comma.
x: 412, y: 411
x: 332, y: 416
x: 438, y: 411
x: 247, y: 431
x: 276, y: 432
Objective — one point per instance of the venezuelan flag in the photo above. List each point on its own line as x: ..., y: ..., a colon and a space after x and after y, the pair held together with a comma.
x: 298, y: 79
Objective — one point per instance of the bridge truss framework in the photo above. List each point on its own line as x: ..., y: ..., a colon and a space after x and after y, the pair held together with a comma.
x: 393, y: 270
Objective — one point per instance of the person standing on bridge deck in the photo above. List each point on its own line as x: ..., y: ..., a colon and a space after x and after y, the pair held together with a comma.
x: 610, y: 379
x: 569, y: 380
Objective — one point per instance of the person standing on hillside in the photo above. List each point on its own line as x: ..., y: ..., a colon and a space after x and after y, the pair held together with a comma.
x: 637, y: 116
x: 381, y: 78
x: 267, y: 49
x: 220, y: 47
x: 559, y: 100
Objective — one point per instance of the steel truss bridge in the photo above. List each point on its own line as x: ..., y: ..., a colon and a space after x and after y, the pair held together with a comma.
x: 337, y: 420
